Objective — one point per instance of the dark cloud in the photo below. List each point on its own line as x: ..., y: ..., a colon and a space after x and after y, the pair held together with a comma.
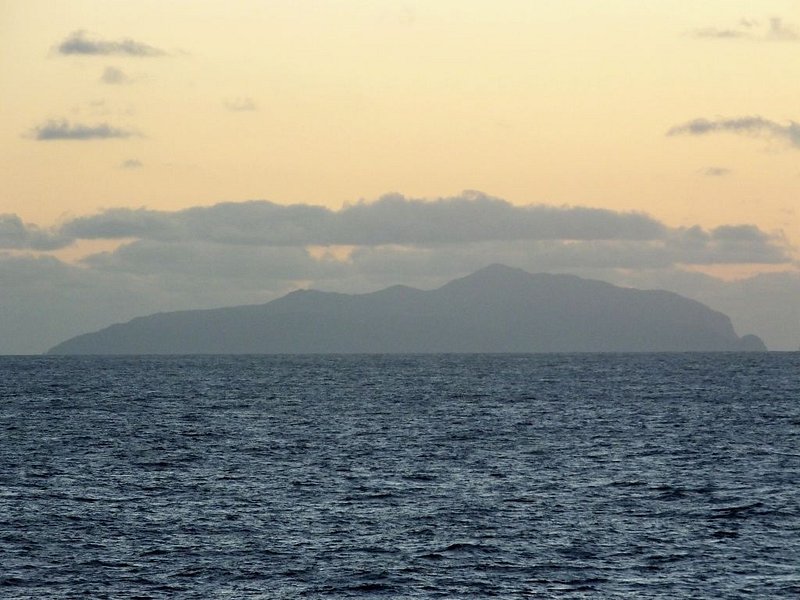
x: 737, y: 244
x: 558, y: 236
x: 16, y: 235
x: 64, y: 130
x: 117, y: 223
x: 79, y: 43
x: 474, y: 216
x: 254, y: 268
x: 752, y: 126
x: 114, y: 76
x: 728, y: 244
x: 370, y: 267
x: 392, y: 219
x: 243, y: 223
x: 131, y: 163
x: 739, y: 233
x: 241, y: 105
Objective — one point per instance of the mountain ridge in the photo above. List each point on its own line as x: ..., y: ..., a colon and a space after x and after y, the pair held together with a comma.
x: 495, y: 309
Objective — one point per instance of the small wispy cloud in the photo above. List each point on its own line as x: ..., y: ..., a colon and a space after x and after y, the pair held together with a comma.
x: 720, y: 34
x: 241, y: 105
x: 752, y: 126
x: 779, y: 31
x: 776, y: 30
x: 78, y: 42
x: 131, y: 163
x: 715, y: 172
x: 114, y: 76
x: 64, y: 130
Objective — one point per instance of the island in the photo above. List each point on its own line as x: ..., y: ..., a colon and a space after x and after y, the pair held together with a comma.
x: 496, y: 309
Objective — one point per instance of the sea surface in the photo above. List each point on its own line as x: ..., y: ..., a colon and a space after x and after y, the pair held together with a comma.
x: 438, y: 476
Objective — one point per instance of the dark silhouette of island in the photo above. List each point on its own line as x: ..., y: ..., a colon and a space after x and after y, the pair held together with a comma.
x: 496, y: 309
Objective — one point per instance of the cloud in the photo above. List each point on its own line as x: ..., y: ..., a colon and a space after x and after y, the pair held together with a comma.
x: 727, y: 244
x: 78, y: 43
x: 64, y: 130
x: 555, y: 236
x: 195, y: 262
x: 778, y: 31
x: 474, y: 216
x: 131, y: 163
x: 117, y: 223
x: 752, y: 125
x: 241, y: 105
x: 720, y: 34
x: 559, y: 236
x: 16, y: 235
x: 750, y: 29
x: 260, y: 245
x: 244, y: 223
x: 716, y: 172
x: 114, y: 76
x: 392, y: 219
x: 379, y: 265
x: 739, y: 233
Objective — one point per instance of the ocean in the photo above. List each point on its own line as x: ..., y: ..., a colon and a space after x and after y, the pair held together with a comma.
x: 424, y: 476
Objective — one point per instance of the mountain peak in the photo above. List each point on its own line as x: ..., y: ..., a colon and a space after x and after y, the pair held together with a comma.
x: 500, y: 270
x: 494, y: 274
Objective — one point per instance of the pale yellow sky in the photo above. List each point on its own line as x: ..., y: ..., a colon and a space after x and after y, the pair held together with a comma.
x: 534, y: 101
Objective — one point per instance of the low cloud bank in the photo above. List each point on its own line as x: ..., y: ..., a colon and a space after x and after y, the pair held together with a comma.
x: 392, y: 219
x: 569, y: 235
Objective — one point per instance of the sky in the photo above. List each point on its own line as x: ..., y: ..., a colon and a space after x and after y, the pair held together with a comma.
x: 193, y: 154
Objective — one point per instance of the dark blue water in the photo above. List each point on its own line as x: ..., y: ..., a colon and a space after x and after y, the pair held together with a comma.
x: 576, y: 476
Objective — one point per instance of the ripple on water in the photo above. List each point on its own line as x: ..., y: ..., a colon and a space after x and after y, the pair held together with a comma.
x: 652, y: 476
